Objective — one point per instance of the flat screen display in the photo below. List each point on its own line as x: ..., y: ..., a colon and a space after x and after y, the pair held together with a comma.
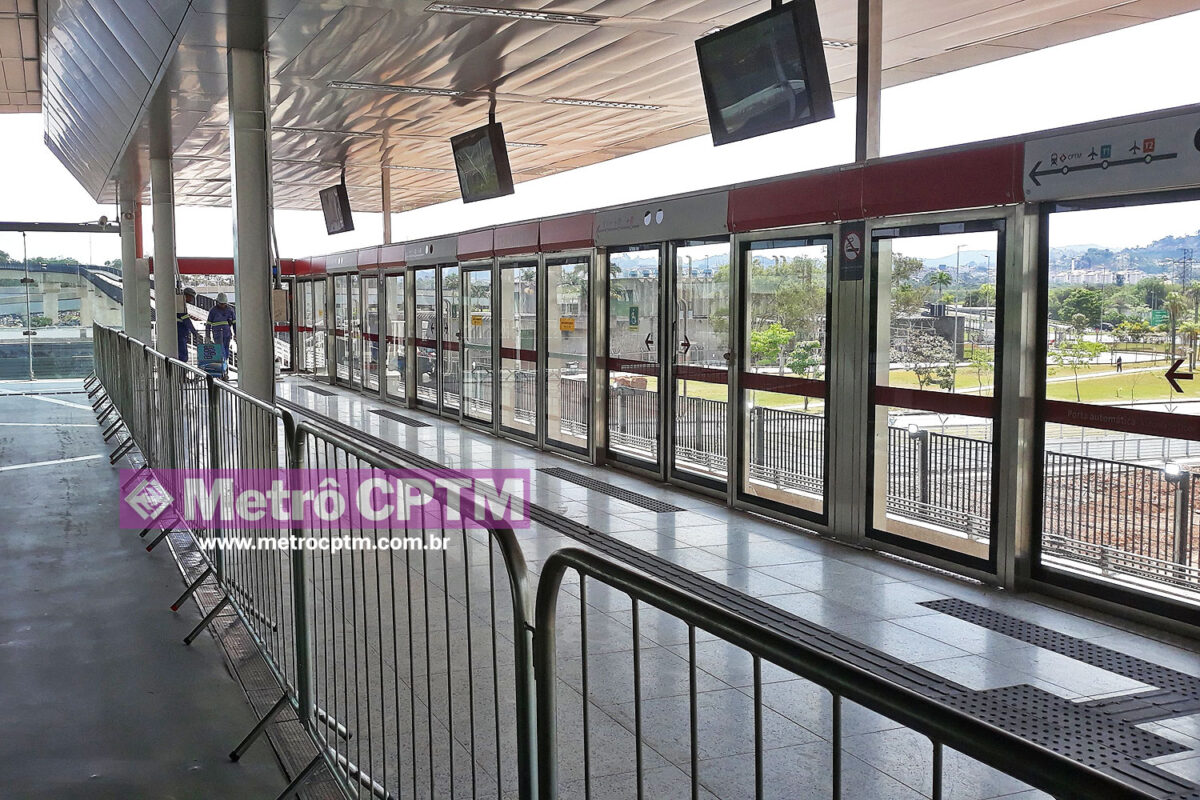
x: 481, y: 158
x: 336, y: 205
x: 765, y: 74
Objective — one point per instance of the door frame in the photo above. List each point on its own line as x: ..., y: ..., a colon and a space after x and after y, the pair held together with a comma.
x: 411, y: 284
x: 486, y: 265
x: 546, y: 443
x: 405, y: 342
x: 363, y: 315
x: 1005, y: 413
x: 508, y: 432
x: 442, y: 409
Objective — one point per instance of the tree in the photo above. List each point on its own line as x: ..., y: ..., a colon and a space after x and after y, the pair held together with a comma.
x: 1073, y: 355
x: 770, y: 343
x: 982, y: 362
x: 1191, y: 330
x: 940, y: 279
x: 1193, y: 293
x: 805, y: 358
x: 929, y: 356
x: 1152, y: 291
x: 1088, y: 302
x: 1175, y: 304
x: 1079, y: 324
x: 905, y: 269
x: 984, y: 296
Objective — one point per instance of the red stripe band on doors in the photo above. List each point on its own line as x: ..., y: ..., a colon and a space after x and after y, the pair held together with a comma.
x: 1126, y: 420
x: 937, y: 402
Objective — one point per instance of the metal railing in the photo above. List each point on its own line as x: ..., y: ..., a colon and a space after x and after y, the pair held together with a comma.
x: 412, y: 671
x: 767, y: 651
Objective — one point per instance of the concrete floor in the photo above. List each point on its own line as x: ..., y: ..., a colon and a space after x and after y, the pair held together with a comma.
x: 99, y: 698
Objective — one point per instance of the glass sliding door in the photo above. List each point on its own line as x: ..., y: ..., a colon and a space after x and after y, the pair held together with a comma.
x: 320, y: 329
x: 634, y: 367
x: 1119, y: 410
x: 341, y: 328
x: 518, y: 348
x: 936, y: 361
x: 425, y: 335
x: 304, y: 326
x: 395, y: 337
x: 785, y: 347
x: 450, y: 324
x: 370, y: 333
x: 700, y: 362
x: 355, y: 329
x: 477, y: 344
x: 568, y: 387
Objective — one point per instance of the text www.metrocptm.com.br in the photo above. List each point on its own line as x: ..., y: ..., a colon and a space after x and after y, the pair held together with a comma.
x: 324, y: 544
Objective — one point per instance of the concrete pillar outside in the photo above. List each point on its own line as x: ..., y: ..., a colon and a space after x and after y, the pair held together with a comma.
x: 50, y: 300
x: 166, y: 270
x: 86, y: 298
x: 250, y: 172
x: 135, y: 301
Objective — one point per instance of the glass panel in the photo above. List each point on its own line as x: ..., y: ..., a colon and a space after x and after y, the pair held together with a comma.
x: 355, y: 333
x: 451, y: 320
x: 60, y: 305
x: 320, y: 328
x: 633, y: 367
x: 371, y: 332
x: 518, y: 347
x: 935, y: 359
x: 700, y: 354
x: 425, y: 286
x: 783, y: 377
x: 303, y: 325
x: 567, y: 386
x: 282, y: 329
x: 477, y: 344
x: 1121, y: 492
x: 341, y: 327
x: 397, y: 350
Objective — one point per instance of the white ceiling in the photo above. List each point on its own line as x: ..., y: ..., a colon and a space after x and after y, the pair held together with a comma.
x: 20, y: 85
x: 635, y: 51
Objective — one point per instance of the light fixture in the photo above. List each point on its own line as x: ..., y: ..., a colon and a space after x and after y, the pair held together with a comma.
x: 1173, y: 472
x: 837, y: 44
x: 525, y: 144
x: 512, y: 13
x: 712, y: 30
x: 571, y: 101
x: 394, y: 89
x: 324, y: 132
x: 416, y: 169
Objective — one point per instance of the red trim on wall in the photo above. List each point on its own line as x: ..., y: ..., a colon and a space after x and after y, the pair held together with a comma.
x: 368, y: 257
x: 519, y: 355
x: 795, y: 201
x: 392, y: 255
x: 567, y: 233
x: 1126, y: 420
x: 937, y: 402
x: 477, y: 244
x: 987, y: 176
x: 514, y: 239
x: 283, y: 327
x: 685, y: 372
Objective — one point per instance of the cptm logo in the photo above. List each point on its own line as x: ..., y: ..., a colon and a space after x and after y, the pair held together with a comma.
x: 148, y: 499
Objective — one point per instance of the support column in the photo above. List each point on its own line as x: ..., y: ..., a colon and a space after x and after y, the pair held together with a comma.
x: 250, y: 172
x: 135, y: 284
x: 870, y: 79
x: 386, y: 181
x: 166, y: 270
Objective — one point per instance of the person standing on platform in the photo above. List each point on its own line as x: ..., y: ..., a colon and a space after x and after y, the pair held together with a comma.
x: 186, y: 332
x: 222, y: 323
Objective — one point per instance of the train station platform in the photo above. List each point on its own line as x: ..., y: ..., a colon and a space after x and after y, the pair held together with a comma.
x: 99, y: 697
x: 1069, y: 677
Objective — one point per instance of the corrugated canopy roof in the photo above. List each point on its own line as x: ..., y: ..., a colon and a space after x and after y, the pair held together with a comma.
x: 103, y: 58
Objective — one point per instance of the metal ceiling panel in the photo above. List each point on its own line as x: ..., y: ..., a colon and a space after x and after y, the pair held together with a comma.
x: 101, y: 58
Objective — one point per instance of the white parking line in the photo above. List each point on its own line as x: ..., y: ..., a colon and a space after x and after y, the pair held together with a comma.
x: 51, y: 463
x: 54, y: 400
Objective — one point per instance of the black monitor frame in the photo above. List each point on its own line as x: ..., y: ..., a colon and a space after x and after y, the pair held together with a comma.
x: 812, y: 56
x: 493, y: 132
x: 335, y: 199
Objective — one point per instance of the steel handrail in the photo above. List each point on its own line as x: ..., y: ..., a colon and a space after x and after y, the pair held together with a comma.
x: 1007, y: 752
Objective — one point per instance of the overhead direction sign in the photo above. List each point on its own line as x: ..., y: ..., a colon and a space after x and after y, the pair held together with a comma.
x: 1174, y: 375
x: 1138, y: 156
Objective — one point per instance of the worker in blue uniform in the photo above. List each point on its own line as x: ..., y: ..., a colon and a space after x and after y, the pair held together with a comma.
x: 222, y: 323
x: 186, y: 332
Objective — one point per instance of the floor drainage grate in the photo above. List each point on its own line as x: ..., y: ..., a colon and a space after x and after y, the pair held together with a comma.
x: 625, y: 495
x: 316, y: 390
x: 403, y: 420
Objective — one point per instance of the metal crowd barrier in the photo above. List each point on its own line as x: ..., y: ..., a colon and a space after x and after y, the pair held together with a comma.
x: 413, y: 671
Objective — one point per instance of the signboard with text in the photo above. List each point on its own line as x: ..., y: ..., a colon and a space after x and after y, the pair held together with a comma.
x: 1139, y: 156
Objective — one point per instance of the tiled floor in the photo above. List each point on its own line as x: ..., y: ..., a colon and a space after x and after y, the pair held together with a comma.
x: 872, y: 599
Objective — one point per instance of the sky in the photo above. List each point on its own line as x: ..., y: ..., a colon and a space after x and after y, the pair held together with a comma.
x: 1138, y: 69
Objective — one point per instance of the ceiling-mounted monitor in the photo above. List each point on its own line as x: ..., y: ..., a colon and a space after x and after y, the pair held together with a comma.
x: 481, y: 158
x: 765, y: 74
x: 336, y: 205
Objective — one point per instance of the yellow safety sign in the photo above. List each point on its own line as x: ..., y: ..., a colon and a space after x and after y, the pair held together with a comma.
x: 566, y: 323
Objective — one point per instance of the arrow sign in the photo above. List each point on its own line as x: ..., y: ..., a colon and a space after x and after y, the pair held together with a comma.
x: 649, y: 342
x: 685, y: 345
x: 1174, y: 375
x: 1033, y: 174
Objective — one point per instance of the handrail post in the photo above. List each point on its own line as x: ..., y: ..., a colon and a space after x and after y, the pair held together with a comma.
x: 294, y: 442
x: 214, y: 456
